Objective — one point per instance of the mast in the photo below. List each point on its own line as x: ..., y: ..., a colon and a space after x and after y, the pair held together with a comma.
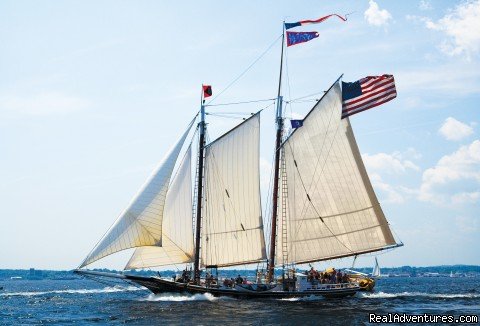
x: 278, y: 141
x: 201, y: 143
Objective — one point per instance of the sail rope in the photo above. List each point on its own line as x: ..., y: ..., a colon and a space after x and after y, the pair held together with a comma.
x: 304, y: 97
x: 242, y: 102
x: 268, y: 208
x: 246, y: 70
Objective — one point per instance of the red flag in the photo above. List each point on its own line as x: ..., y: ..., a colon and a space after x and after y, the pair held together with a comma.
x: 207, y: 91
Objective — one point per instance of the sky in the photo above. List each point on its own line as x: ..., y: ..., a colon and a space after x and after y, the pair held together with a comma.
x: 93, y: 94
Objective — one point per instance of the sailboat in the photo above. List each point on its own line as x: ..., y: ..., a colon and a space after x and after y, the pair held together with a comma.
x: 323, y: 208
x: 376, y: 273
x: 365, y: 281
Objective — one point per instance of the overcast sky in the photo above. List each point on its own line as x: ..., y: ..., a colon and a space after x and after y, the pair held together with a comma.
x: 93, y: 93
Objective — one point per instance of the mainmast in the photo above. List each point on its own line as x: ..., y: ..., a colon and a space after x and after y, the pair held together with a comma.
x: 278, y: 140
x: 201, y: 143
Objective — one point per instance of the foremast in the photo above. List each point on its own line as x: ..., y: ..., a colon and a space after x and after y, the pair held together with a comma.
x: 278, y: 142
x: 198, y: 227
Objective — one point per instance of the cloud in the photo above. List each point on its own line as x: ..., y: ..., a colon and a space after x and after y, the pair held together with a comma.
x: 388, y: 163
x: 452, y: 80
x: 460, y: 169
x: 425, y: 5
x: 452, y: 129
x: 45, y: 103
x: 389, y: 193
x: 466, y: 197
x: 376, y: 16
x: 466, y: 224
x: 461, y: 27
x: 397, y: 163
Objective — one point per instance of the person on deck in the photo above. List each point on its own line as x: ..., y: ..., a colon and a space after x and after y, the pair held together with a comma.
x: 339, y: 276
x: 239, y: 280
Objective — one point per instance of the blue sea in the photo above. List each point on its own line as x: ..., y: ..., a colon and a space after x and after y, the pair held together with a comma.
x: 86, y: 302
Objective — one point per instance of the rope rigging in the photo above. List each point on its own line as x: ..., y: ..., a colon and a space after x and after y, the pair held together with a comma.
x: 246, y: 70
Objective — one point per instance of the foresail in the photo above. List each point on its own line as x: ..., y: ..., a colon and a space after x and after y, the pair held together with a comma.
x: 332, y: 210
x: 140, y: 224
x: 177, y: 234
x: 232, y: 227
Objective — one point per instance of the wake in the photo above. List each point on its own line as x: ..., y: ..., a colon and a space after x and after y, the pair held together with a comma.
x: 81, y: 291
x: 384, y: 295
x: 169, y: 297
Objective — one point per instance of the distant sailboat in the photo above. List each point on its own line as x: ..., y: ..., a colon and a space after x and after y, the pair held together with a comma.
x: 376, y: 270
x: 365, y: 281
x: 324, y: 207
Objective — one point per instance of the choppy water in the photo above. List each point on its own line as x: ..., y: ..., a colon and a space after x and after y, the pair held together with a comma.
x: 84, y: 302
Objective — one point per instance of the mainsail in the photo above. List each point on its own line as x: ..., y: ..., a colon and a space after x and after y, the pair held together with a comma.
x: 331, y: 209
x: 140, y: 224
x: 232, y: 227
x: 177, y: 235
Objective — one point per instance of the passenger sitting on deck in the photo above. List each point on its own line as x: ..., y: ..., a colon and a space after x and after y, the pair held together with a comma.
x: 228, y: 283
x: 333, y: 278
x: 345, y: 278
x: 324, y: 278
x: 339, y: 277
x: 311, y: 275
x: 208, y: 279
x: 185, y: 276
x: 239, y: 279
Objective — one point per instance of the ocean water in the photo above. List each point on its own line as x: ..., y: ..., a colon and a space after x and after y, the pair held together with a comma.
x: 85, y: 302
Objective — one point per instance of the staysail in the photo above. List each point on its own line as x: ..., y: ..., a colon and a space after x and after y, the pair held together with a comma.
x: 232, y: 227
x: 140, y: 224
x: 177, y: 235
x: 331, y: 208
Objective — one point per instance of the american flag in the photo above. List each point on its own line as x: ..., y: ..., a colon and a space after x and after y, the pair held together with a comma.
x: 367, y: 93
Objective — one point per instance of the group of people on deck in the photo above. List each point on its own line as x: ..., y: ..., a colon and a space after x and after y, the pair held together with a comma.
x: 230, y: 282
x: 328, y: 277
x: 185, y: 278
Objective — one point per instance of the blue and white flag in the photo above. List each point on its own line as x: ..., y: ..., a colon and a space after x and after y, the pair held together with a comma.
x: 296, y: 123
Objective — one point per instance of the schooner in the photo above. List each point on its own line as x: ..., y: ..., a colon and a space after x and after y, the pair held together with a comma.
x: 323, y: 207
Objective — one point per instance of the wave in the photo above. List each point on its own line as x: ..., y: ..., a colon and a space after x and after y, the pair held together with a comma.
x: 383, y: 295
x: 309, y: 298
x: 108, y: 289
x: 168, y: 297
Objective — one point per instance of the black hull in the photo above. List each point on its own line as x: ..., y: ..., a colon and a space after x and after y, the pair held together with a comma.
x: 158, y: 286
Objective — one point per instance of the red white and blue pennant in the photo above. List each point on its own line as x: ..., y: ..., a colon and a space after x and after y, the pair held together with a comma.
x: 302, y: 37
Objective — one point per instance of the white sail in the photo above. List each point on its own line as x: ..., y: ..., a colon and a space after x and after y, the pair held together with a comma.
x: 140, y: 224
x: 177, y: 232
x: 376, y: 269
x: 232, y: 228
x: 332, y: 210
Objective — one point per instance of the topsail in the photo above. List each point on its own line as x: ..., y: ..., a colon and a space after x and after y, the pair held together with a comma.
x: 331, y: 208
x: 140, y: 224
